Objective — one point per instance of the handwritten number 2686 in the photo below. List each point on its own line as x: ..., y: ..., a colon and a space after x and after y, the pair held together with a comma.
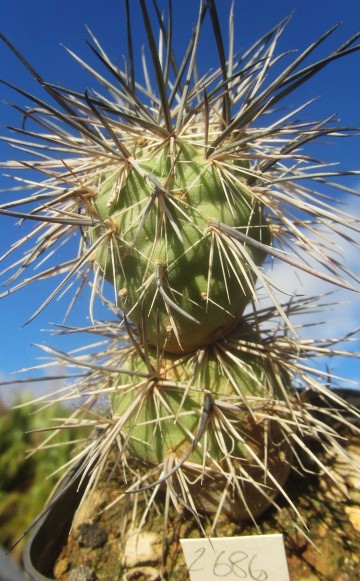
x: 237, y: 563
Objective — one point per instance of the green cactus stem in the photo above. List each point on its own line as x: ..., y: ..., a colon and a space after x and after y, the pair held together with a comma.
x: 206, y: 415
x: 170, y: 272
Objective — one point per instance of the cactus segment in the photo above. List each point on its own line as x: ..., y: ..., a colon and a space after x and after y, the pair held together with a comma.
x: 178, y: 180
x: 172, y: 273
x: 164, y: 416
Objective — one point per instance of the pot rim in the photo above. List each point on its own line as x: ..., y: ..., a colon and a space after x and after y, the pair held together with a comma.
x: 50, y: 529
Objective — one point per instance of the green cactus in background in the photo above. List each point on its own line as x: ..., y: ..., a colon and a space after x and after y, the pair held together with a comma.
x: 180, y: 192
x: 27, y: 479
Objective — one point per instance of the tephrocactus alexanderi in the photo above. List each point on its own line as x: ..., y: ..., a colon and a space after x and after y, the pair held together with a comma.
x: 181, y: 188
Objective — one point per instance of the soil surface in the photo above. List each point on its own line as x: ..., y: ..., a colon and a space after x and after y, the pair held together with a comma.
x: 105, y: 547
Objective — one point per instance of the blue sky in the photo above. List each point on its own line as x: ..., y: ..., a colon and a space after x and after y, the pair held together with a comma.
x: 38, y: 29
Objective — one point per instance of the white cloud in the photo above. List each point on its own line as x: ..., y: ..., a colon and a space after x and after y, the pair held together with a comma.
x: 344, y: 316
x: 341, y: 313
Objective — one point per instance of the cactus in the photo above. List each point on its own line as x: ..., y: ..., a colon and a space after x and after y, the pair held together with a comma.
x: 183, y: 416
x: 166, y: 263
x: 181, y: 194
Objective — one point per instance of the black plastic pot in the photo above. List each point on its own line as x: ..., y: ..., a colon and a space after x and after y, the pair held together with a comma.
x: 49, y: 534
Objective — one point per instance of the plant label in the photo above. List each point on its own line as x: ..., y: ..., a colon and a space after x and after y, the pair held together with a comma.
x: 252, y: 558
